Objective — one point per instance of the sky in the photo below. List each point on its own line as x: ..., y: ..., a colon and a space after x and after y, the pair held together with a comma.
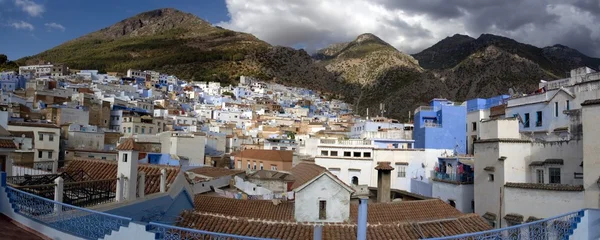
x: 28, y: 27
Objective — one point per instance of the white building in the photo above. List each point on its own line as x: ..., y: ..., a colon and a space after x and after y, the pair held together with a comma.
x: 37, y: 70
x: 518, y: 179
x: 46, y: 139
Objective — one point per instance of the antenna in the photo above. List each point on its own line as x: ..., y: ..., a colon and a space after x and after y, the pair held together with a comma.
x: 511, y: 92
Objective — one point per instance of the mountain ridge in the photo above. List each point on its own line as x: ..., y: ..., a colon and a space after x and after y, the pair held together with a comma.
x: 365, y: 72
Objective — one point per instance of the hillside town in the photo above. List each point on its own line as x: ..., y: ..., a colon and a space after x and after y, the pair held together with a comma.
x: 149, y: 155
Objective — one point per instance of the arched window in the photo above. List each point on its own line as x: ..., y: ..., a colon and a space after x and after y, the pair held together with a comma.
x: 355, y: 180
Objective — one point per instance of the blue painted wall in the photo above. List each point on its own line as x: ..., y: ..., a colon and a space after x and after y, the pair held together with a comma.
x: 482, y: 103
x: 164, y: 209
x: 451, y: 132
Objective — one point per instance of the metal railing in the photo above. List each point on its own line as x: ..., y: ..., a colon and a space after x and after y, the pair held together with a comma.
x: 32, y: 168
x: 164, y: 231
x: 459, y: 178
x: 559, y: 227
x: 349, y: 142
x: 81, y: 222
x: 80, y: 194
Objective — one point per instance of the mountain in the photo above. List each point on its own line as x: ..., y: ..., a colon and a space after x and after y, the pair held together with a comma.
x: 180, y: 43
x: 450, y: 51
x: 365, y: 72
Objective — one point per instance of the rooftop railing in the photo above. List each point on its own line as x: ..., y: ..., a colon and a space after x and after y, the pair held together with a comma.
x: 458, y: 178
x: 81, y: 222
x: 559, y: 227
x: 164, y: 231
x: 348, y: 142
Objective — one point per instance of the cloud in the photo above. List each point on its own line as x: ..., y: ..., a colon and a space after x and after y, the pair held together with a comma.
x: 30, y: 7
x: 55, y: 26
x: 411, y: 25
x: 22, y: 25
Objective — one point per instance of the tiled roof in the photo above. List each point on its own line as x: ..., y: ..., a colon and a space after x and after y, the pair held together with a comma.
x: 107, y: 169
x: 128, y: 145
x: 406, y: 211
x: 267, y: 155
x: 303, y: 172
x: 7, y: 143
x: 33, y: 124
x: 543, y: 186
x: 301, y: 231
x: 384, y: 166
x: 590, y: 102
x: 489, y: 216
x: 214, y: 171
x: 514, y: 218
x: 271, y: 175
x: 533, y: 219
x: 547, y: 161
x: 255, y: 209
x: 11, y: 229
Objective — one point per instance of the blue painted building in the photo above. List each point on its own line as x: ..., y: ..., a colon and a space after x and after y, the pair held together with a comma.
x: 442, y: 125
x: 486, y: 103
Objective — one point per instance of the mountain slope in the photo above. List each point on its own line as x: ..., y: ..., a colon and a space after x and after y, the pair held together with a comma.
x: 451, y: 51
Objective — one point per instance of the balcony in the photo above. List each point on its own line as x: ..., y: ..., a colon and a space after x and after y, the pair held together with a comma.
x: 348, y: 142
x: 461, y: 178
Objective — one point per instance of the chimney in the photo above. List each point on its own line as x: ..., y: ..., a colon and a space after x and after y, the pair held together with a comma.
x: 384, y: 174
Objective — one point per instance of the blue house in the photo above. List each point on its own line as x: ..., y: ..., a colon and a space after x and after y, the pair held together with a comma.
x: 442, y: 125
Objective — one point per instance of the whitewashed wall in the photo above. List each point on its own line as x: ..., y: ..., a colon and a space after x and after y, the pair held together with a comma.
x: 462, y: 194
x: 324, y: 188
x: 203, y: 187
x: 540, y: 203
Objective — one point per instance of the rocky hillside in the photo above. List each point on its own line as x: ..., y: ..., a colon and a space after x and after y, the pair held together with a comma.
x: 365, y: 72
x: 449, y: 52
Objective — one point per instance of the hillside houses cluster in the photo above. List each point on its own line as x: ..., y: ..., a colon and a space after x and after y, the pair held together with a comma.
x: 259, y: 155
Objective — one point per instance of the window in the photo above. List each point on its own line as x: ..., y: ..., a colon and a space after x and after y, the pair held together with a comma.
x: 367, y: 154
x: 568, y: 105
x: 143, y: 130
x: 248, y: 165
x: 136, y: 129
x: 526, y: 123
x: 274, y: 167
x: 401, y: 171
x: 40, y: 154
x: 129, y: 129
x: 452, y: 203
x: 356, y: 154
x: 347, y: 154
x: 239, y: 165
x: 538, y: 123
x: 51, y: 138
x: 254, y: 166
x: 333, y: 153
x: 491, y: 177
x: 540, y: 175
x: 554, y: 175
x: 355, y: 180
x: 322, y: 209
x: 41, y: 137
x: 124, y: 157
x: 150, y: 130
x: 555, y: 109
x: 474, y: 126
x: 261, y: 166
x: 324, y: 153
x: 49, y: 154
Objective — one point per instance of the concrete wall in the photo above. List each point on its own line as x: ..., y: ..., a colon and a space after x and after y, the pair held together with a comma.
x: 500, y: 128
x: 86, y: 140
x: 591, y: 151
x: 203, y: 187
x: 161, y: 208
x: 462, y: 194
x: 324, y: 188
x: 363, y: 167
x: 250, y: 188
x: 421, y: 187
x: 540, y: 203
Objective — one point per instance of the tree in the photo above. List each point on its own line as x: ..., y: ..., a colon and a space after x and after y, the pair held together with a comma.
x: 3, y: 59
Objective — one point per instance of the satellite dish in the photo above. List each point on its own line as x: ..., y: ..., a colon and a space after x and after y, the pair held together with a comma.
x: 511, y: 92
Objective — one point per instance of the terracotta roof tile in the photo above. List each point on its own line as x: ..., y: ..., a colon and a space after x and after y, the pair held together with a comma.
x: 106, y: 169
x: 543, y: 186
x: 267, y: 155
x: 282, y: 230
x: 7, y: 143
x: 533, y: 219
x: 128, y: 144
x: 384, y: 166
x: 303, y: 172
x: 489, y: 216
x: 215, y: 172
x: 514, y: 218
x: 406, y: 211
x: 590, y: 102
x: 257, y: 209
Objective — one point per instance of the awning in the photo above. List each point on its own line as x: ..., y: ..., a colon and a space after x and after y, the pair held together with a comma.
x: 469, y: 162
